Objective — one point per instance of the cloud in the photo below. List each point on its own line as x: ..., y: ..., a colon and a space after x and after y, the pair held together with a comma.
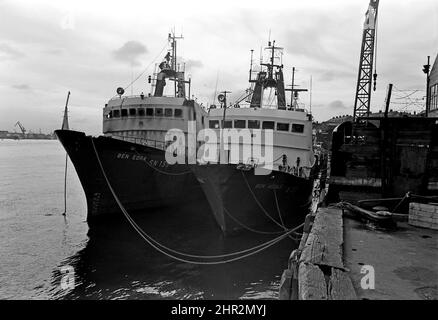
x: 130, y: 52
x: 54, y: 51
x: 23, y: 87
x: 317, y: 40
x: 9, y: 53
x: 337, y: 104
x: 192, y: 64
x: 330, y: 75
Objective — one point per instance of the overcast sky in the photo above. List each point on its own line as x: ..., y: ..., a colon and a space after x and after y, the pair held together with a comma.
x: 92, y: 47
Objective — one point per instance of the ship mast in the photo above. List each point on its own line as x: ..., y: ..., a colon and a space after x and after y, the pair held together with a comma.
x: 271, y: 77
x: 294, y: 91
x: 169, y: 69
x: 172, y: 39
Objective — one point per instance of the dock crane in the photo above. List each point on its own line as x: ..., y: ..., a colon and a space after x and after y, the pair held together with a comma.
x: 23, y: 130
x: 363, y: 89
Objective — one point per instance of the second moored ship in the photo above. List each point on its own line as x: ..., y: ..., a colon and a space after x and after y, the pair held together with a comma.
x: 240, y: 194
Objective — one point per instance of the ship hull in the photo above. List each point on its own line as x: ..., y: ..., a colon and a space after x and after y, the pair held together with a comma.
x: 241, y: 200
x: 139, y: 175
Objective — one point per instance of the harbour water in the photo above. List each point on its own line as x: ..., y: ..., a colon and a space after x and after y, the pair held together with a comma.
x: 113, y: 262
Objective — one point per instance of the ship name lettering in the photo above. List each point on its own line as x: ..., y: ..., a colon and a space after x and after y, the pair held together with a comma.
x: 139, y: 158
x: 122, y: 155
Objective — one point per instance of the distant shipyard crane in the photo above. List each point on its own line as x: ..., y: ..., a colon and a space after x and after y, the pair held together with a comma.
x: 23, y: 130
x: 363, y: 89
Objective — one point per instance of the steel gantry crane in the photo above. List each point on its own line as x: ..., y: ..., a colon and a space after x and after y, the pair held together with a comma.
x: 363, y: 89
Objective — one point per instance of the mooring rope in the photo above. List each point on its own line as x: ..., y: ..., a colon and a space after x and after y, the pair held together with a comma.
x: 281, y: 219
x: 282, y: 224
x: 159, y: 247
x: 279, y: 213
x: 260, y: 205
x: 278, y: 208
x: 249, y: 228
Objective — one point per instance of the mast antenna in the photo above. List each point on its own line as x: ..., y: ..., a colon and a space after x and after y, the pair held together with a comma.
x: 261, y: 55
x: 250, y: 65
x: 215, y: 88
x: 310, y: 96
x: 292, y: 92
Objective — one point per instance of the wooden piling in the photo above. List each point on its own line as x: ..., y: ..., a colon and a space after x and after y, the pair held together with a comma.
x: 318, y: 263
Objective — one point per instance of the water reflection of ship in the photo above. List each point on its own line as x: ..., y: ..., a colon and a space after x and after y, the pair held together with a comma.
x: 117, y: 264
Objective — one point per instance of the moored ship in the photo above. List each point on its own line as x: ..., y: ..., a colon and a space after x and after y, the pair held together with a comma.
x: 247, y: 189
x: 131, y: 153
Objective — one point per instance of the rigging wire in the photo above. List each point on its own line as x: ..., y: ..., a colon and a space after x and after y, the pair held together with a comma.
x: 375, y: 53
x: 407, y: 96
x: 408, y: 99
x: 146, y: 68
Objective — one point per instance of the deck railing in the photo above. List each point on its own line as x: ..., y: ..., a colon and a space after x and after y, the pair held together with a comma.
x: 143, y: 141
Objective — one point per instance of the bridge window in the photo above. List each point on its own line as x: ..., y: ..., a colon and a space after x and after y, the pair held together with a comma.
x: 298, y: 128
x: 124, y: 112
x: 282, y: 126
x: 253, y: 124
x: 132, y: 112
x: 116, y: 113
x: 268, y: 125
x: 109, y: 115
x: 239, y: 124
x: 168, y: 112
x: 158, y: 112
x: 178, y: 113
x: 228, y: 124
x: 213, y: 124
x: 149, y: 112
x: 141, y: 112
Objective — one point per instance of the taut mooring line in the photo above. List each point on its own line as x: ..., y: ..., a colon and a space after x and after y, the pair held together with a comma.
x: 65, y: 185
x: 65, y: 127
